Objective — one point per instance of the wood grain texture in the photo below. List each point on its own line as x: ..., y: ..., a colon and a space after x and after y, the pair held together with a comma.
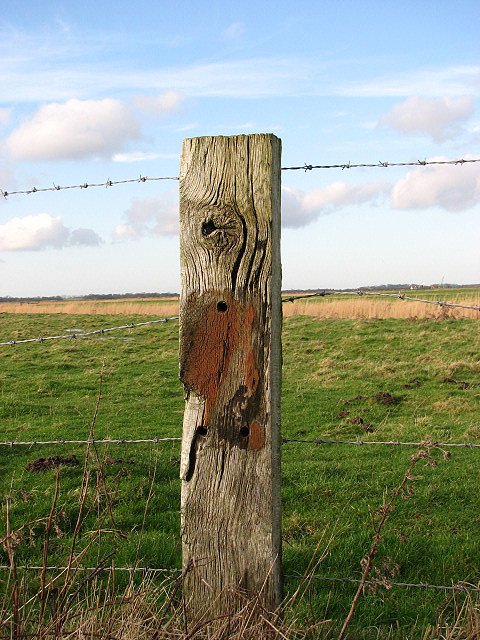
x: 230, y: 365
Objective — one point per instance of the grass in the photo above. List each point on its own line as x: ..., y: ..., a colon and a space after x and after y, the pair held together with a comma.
x: 334, y: 371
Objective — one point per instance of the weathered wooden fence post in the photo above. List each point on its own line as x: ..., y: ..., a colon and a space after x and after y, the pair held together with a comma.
x: 230, y: 365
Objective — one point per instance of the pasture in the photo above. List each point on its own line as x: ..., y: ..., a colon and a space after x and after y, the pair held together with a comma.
x: 346, y: 376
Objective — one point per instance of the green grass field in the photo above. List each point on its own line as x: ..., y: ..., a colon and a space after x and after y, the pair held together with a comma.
x: 336, y: 374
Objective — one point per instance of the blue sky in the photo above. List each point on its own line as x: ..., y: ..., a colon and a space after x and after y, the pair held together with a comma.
x: 99, y: 90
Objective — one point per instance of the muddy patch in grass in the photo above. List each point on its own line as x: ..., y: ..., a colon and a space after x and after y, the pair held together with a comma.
x: 46, y: 464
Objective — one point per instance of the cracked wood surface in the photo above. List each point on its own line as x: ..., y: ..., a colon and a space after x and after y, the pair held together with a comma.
x: 230, y: 365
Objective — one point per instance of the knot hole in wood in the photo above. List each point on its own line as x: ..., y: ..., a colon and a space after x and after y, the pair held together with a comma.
x: 221, y: 228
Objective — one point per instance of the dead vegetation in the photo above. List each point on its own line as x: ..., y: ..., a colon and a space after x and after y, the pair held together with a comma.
x: 330, y: 307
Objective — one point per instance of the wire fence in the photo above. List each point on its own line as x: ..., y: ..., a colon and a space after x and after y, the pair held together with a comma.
x: 459, y: 587
x: 85, y: 185
x: 85, y: 334
x: 464, y: 587
x: 284, y: 440
x: 363, y: 292
x: 319, y: 294
x: 304, y: 167
x: 381, y: 164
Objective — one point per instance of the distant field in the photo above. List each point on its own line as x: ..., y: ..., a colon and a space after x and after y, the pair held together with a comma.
x: 332, y: 306
x: 335, y: 372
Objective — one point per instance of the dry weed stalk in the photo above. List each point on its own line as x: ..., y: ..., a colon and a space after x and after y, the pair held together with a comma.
x: 379, y: 519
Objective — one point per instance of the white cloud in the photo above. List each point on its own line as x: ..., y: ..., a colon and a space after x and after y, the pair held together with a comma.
x: 148, y: 217
x: 300, y: 208
x: 450, y: 188
x: 4, y: 116
x: 234, y: 31
x: 166, y: 102
x: 434, y: 82
x: 439, y: 118
x: 33, y: 233
x: 137, y: 156
x: 72, y: 130
x: 7, y: 181
x: 42, y: 231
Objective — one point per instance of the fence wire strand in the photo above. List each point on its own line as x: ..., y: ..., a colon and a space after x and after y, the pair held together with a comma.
x: 392, y: 443
x: 399, y: 296
x: 303, y: 167
x: 381, y: 164
x: 32, y: 443
x: 84, y: 334
x: 285, y: 299
x: 318, y: 441
x: 85, y: 185
x: 467, y: 588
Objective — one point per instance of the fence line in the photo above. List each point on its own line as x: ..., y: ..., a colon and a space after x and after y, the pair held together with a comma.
x: 384, y: 165
x: 319, y: 294
x: 85, y: 185
x: 318, y: 441
x: 399, y: 296
x: 94, y: 441
x: 83, y: 334
x: 467, y: 588
x: 304, y: 167
x: 419, y: 585
x: 393, y: 443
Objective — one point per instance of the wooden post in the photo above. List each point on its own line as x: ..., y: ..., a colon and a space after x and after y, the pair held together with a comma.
x: 230, y: 365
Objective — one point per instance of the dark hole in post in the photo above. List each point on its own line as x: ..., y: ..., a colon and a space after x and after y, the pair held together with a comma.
x: 244, y: 431
x: 222, y: 306
x: 202, y: 431
x: 208, y: 227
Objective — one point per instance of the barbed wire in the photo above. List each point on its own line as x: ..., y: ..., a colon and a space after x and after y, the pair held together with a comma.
x: 159, y: 570
x: 152, y: 570
x: 467, y: 588
x: 84, y: 334
x: 319, y: 294
x: 85, y: 185
x: 32, y: 443
x: 399, y: 296
x: 382, y: 164
x: 319, y: 441
x: 393, y: 443
x: 304, y: 167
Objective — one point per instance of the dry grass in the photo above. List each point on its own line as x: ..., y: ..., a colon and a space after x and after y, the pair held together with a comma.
x: 359, y: 308
x: 352, y: 308
x: 131, y: 306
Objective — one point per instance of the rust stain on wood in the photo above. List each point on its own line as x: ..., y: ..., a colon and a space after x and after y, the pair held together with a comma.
x: 224, y: 328
x: 256, y: 438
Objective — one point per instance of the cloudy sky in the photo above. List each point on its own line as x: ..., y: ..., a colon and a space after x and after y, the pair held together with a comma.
x: 102, y: 90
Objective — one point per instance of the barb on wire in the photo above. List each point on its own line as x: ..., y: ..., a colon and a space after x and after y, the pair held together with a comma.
x: 85, y: 185
x: 33, y: 443
x: 382, y: 164
x: 465, y: 587
x: 151, y: 570
x: 85, y: 334
x: 392, y: 443
x: 399, y: 296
